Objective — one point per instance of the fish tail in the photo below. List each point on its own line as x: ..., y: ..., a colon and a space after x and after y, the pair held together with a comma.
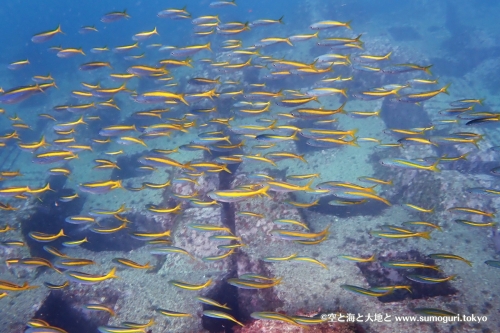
x: 344, y: 92
x: 445, y: 89
x: 434, y: 167
x: 425, y: 234
x: 280, y: 20
x: 348, y: 59
x: 308, y: 187
x: 313, y: 64
x: 59, y: 29
x: 181, y: 96
x: 208, y: 45
x: 277, y: 281
x: 111, y: 274
x: 428, y: 71
x: 264, y: 191
x: 388, y: 55
x: 288, y: 41
x: 301, y: 157
x: 354, y: 142
x: 341, y: 108
x: 188, y: 166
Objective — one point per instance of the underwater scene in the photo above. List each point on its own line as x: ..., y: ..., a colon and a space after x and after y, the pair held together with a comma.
x: 249, y: 166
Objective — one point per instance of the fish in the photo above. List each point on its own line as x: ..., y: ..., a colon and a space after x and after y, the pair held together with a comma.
x: 357, y: 259
x: 75, y: 243
x: 330, y: 24
x: 309, y: 259
x: 47, y: 35
x: 392, y: 235
x: 471, y: 211
x: 477, y: 224
x: 292, y: 222
x: 118, y: 329
x: 65, y: 263
x: 132, y: 264
x: 408, y: 164
x: 429, y: 279
x: 86, y: 29
x: 18, y: 64
x: 219, y: 257
x: 237, y: 195
x: 208, y: 227
x: 65, y: 284
x: 190, y: 50
x: 420, y: 97
x: 334, y: 186
x: 145, y: 35
x: 366, y: 292
x: 144, y: 236
x: 298, y: 235
x: 492, y: 263
x: 266, y: 22
x: 69, y: 52
x: 80, y: 219
x: 275, y: 259
x: 189, y: 286
x: 94, y: 65
x: 100, y: 307
x: 170, y: 249
x: 408, y: 265
x: 219, y: 314
x: 100, y: 187
x: 19, y: 94
x: 467, y: 102
x: 114, y: 16
x: 434, y: 312
x: 361, y: 195
x: 174, y: 13
x: 43, y: 237
x: 137, y: 325
x: 85, y: 278
x: 268, y: 315
x: 419, y: 209
x: 176, y: 314
x: 9, y: 286
x: 251, y: 284
x: 45, y: 329
x: 404, y: 68
x: 425, y: 223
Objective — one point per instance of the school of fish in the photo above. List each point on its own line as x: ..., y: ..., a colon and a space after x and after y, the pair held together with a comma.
x: 190, y: 87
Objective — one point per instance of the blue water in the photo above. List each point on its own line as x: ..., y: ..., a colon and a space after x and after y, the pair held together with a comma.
x: 458, y: 38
